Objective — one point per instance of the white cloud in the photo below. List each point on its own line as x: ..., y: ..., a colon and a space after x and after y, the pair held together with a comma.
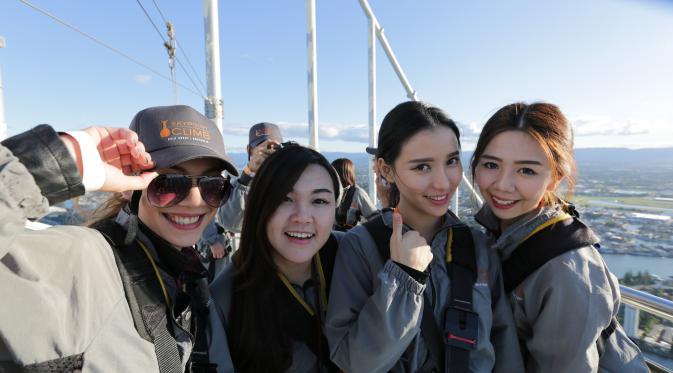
x: 142, y: 79
x: 249, y: 57
x: 606, y: 126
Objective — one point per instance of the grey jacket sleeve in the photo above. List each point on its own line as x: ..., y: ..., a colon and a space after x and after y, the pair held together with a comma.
x: 361, y: 203
x: 59, y: 279
x: 230, y: 215
x: 374, y: 309
x: 218, y: 311
x: 561, y: 310
x: 504, y: 337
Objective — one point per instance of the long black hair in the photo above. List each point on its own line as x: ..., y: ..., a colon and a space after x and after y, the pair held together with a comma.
x: 256, y: 338
x: 403, y: 122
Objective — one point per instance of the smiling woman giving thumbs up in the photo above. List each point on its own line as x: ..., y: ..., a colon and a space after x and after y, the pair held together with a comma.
x: 415, y: 290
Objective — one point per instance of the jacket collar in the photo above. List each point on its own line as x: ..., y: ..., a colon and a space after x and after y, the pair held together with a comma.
x: 449, y: 220
x: 509, y: 239
x: 170, y: 259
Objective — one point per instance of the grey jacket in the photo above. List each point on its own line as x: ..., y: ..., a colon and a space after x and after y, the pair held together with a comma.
x: 61, y: 290
x: 361, y: 206
x: 303, y: 359
x: 561, y: 309
x: 230, y: 215
x: 375, y: 308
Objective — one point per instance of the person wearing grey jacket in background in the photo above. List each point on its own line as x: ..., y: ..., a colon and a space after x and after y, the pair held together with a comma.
x: 376, y: 307
x: 355, y: 206
x: 264, y: 139
x: 565, y: 305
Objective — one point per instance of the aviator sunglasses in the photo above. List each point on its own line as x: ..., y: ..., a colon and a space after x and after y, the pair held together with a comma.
x: 168, y: 190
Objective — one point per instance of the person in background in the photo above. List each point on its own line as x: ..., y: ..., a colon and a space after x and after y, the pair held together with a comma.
x: 563, y: 296
x: 217, y: 243
x: 127, y: 294
x: 382, y: 185
x: 268, y: 305
x: 414, y: 289
x: 355, y: 206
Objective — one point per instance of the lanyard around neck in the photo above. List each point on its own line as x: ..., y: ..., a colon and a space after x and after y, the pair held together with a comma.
x: 156, y: 272
x: 321, y: 289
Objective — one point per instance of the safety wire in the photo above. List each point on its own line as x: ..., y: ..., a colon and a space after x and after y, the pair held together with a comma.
x: 170, y: 44
x: 113, y: 49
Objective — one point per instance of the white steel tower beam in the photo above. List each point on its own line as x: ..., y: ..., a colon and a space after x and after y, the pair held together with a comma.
x: 213, y: 105
x: 312, y: 75
x: 3, y: 124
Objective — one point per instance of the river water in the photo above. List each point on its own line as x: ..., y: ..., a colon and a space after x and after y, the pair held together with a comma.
x: 620, y: 264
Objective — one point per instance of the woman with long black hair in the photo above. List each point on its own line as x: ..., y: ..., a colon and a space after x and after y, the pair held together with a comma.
x: 268, y: 306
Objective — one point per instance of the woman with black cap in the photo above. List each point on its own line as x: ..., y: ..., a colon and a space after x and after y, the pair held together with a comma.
x: 130, y: 294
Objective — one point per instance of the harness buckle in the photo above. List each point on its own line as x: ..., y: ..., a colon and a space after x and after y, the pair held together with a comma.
x: 461, y: 327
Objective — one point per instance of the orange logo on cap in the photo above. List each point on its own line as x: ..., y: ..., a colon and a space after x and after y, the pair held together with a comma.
x: 184, y: 130
x: 165, y: 132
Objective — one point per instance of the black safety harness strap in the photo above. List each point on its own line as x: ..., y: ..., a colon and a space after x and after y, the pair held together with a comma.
x: 556, y: 239
x: 341, y: 218
x: 144, y: 296
x: 461, y: 323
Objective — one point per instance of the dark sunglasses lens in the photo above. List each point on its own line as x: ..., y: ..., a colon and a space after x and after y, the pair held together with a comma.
x: 214, y: 190
x: 168, y: 190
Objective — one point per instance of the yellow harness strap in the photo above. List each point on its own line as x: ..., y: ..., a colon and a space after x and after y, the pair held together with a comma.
x: 549, y: 222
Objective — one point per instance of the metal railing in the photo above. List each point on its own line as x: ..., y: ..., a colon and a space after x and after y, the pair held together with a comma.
x: 376, y: 32
x: 635, y: 301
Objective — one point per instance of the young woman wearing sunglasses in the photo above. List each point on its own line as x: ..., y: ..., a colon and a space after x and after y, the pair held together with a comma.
x: 269, y: 305
x: 127, y: 296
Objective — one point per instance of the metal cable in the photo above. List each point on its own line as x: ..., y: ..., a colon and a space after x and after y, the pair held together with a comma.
x: 92, y: 38
x: 176, y: 42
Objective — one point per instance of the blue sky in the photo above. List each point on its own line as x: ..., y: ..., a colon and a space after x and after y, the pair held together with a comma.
x: 607, y: 63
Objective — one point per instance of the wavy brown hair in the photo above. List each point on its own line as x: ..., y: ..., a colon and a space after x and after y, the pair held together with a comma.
x: 346, y: 171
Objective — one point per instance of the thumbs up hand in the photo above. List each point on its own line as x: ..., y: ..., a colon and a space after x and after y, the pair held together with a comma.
x: 409, y: 248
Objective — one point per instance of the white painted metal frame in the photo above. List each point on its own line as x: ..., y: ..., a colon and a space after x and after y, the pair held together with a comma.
x: 213, y: 103
x: 312, y: 75
x: 376, y: 31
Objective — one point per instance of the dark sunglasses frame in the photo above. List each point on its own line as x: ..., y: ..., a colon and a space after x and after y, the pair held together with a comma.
x: 181, y: 186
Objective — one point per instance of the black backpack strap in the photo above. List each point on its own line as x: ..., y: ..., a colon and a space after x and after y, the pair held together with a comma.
x: 461, y: 323
x: 144, y: 296
x: 566, y: 235
x: 451, y: 351
x: 342, y: 210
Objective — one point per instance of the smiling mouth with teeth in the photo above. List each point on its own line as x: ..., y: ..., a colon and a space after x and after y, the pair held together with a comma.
x: 502, y: 202
x: 183, y: 220
x: 299, y: 235
x: 437, y: 198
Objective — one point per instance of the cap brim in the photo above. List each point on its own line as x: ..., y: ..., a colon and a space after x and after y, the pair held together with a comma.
x: 168, y: 157
x: 263, y: 138
x: 371, y: 150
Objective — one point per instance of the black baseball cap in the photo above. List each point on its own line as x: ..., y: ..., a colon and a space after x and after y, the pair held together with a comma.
x: 175, y: 134
x: 260, y: 132
x: 371, y: 150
